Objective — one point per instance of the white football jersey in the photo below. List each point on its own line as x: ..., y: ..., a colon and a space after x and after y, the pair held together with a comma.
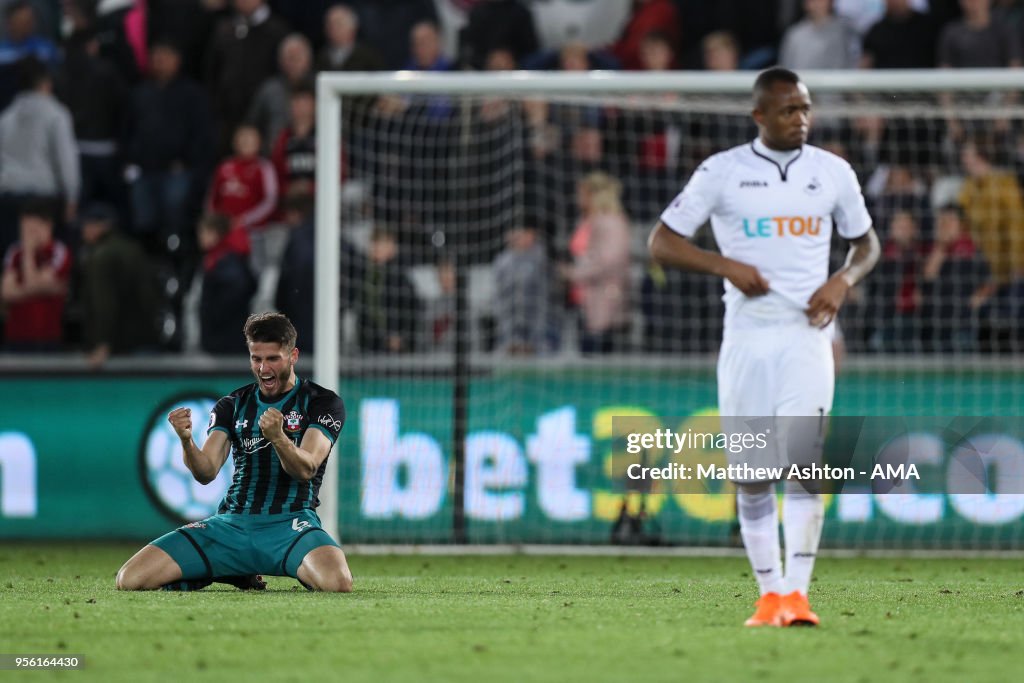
x: 774, y: 211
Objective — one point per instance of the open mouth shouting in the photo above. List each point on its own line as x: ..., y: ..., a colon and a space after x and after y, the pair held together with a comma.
x: 269, y: 384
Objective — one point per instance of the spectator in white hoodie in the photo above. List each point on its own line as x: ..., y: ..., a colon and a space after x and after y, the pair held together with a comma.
x: 38, y: 152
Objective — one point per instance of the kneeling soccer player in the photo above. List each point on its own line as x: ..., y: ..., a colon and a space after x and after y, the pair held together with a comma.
x: 280, y: 430
x: 773, y: 204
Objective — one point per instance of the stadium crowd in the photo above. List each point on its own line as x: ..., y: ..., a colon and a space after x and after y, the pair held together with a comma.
x: 157, y: 163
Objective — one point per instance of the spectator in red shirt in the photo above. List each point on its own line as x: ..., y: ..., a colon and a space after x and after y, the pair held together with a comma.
x: 35, y: 284
x: 896, y: 292
x: 245, y: 186
x: 648, y: 15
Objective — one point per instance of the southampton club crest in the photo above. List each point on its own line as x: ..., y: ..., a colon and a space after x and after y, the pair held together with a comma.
x: 292, y: 422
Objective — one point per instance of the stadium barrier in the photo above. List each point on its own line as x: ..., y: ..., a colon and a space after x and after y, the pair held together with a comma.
x: 540, y: 467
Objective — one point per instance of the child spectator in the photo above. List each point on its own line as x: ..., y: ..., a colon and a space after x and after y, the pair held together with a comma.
x: 245, y: 186
x: 952, y: 279
x: 227, y: 284
x: 897, y: 293
x: 599, y: 273
x: 522, y: 305
x: 34, y: 287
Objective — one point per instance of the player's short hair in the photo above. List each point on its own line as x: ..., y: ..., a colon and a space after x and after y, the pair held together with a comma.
x: 270, y: 328
x: 767, y: 79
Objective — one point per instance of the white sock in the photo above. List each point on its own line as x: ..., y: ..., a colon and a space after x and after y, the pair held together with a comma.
x: 759, y: 526
x: 802, y: 516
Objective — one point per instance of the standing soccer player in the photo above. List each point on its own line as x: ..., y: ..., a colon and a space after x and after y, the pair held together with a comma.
x: 773, y: 204
x: 281, y: 430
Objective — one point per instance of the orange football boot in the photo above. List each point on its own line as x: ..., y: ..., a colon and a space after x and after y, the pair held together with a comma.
x: 796, y: 611
x: 768, y: 611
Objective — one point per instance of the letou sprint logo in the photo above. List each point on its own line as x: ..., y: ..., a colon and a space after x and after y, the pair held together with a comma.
x: 165, y: 478
x: 782, y: 226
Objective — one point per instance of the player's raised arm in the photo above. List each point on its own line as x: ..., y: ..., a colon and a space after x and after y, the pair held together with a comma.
x: 668, y: 248
x: 300, y: 462
x: 825, y: 303
x: 204, y: 463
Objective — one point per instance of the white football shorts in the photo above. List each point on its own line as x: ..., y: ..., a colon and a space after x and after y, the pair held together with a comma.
x: 776, y: 371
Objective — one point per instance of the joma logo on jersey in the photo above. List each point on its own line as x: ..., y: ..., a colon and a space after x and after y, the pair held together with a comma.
x: 781, y: 226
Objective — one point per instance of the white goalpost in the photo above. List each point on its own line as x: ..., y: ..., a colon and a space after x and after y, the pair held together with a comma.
x: 925, y: 103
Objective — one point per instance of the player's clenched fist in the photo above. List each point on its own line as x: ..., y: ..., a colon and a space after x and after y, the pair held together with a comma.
x: 181, y: 420
x: 272, y: 423
x: 747, y: 279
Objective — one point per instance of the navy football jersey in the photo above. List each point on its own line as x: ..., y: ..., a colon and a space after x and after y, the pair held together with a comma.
x: 259, y: 484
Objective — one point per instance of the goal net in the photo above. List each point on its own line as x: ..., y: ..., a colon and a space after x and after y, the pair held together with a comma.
x: 486, y: 306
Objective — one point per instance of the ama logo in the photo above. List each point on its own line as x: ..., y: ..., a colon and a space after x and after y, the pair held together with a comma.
x: 782, y: 226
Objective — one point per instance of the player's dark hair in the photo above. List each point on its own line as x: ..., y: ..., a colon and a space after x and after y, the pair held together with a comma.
x: 270, y: 328
x: 767, y: 79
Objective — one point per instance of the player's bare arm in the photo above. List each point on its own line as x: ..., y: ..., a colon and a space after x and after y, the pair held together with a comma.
x: 675, y: 251
x: 204, y: 463
x: 300, y: 462
x: 828, y: 299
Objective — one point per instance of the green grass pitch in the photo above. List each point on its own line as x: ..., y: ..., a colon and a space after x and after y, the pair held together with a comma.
x: 517, y: 618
